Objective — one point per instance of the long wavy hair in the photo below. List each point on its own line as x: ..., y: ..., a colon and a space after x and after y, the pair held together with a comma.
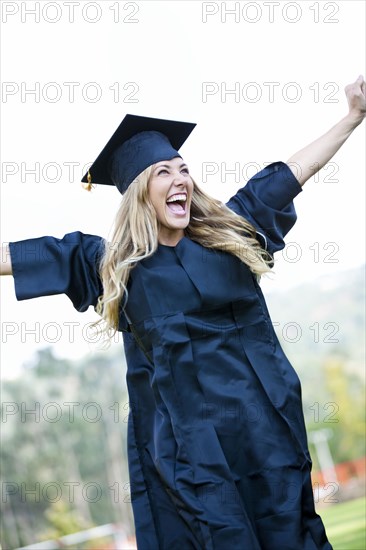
x: 135, y: 237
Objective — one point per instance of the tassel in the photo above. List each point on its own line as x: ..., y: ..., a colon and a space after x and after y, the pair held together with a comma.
x: 88, y: 186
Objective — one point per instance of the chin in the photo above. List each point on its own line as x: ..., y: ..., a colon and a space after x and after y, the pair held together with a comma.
x: 178, y: 224
x: 181, y: 225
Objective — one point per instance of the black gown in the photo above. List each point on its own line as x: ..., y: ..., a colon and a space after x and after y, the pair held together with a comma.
x: 217, y: 446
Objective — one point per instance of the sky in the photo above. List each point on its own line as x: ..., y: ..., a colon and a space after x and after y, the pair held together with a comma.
x: 260, y: 79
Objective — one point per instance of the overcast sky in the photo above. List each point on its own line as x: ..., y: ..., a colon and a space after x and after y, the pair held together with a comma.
x: 260, y: 79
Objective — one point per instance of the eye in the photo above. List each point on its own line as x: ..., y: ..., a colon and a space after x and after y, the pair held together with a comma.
x: 163, y: 171
x: 185, y: 170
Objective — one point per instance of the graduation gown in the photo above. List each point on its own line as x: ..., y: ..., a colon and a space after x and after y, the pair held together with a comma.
x: 217, y: 447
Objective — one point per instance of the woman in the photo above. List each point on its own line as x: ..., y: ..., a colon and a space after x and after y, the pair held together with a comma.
x: 218, y: 454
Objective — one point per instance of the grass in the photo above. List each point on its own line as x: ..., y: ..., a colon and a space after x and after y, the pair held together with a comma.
x: 345, y: 524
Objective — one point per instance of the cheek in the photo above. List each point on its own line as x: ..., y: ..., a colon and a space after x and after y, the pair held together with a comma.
x: 157, y: 193
x: 158, y: 202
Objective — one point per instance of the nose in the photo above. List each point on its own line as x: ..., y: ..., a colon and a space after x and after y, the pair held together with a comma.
x: 179, y: 178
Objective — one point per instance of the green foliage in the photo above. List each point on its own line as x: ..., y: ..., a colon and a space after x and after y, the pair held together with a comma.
x: 341, y: 413
x: 64, y: 460
x: 348, y: 441
x: 62, y: 521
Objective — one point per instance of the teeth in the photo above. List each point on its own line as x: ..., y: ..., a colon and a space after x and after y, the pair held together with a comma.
x: 177, y: 198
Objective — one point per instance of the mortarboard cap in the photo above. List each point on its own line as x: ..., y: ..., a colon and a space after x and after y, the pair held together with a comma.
x: 137, y: 143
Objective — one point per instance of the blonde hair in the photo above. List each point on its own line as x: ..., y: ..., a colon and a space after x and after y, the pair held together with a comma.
x: 135, y: 237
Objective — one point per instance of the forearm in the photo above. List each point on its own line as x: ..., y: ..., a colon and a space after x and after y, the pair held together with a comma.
x: 5, y: 264
x: 309, y: 160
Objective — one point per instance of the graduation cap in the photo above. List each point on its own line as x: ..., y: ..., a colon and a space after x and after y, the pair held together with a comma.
x: 137, y: 143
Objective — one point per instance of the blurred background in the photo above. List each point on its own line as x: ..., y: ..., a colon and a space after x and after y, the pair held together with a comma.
x: 261, y: 79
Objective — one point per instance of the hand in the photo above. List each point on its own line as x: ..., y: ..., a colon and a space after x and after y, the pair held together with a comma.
x: 356, y: 97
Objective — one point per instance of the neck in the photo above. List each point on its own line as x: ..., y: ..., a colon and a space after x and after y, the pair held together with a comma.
x: 170, y: 237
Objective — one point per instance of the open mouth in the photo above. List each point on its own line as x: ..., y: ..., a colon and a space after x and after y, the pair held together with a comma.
x: 177, y: 203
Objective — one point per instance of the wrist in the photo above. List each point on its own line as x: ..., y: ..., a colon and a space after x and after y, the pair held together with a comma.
x: 354, y: 119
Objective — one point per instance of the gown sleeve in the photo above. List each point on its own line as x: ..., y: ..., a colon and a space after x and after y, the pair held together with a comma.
x: 266, y: 202
x: 46, y: 266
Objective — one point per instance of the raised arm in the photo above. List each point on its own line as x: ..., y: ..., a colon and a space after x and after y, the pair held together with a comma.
x: 5, y: 264
x: 309, y: 160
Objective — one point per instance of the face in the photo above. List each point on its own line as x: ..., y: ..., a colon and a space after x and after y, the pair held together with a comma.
x: 170, y: 191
